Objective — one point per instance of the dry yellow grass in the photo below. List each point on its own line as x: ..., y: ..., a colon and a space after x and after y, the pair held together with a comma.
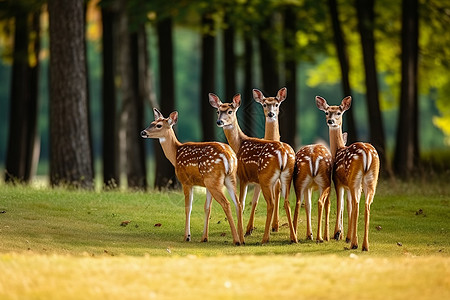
x: 37, y: 276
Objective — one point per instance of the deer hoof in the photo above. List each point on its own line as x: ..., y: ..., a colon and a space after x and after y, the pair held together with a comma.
x: 354, y: 247
x: 188, y: 238
x: 347, y: 240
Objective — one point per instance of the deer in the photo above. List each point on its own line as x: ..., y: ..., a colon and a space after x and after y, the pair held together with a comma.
x: 208, y: 164
x: 312, y: 171
x: 259, y: 161
x: 355, y: 169
x: 271, y: 107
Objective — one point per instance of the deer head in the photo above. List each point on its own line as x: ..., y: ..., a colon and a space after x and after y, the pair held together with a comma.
x: 271, y: 105
x: 160, y: 126
x: 226, y: 112
x: 334, y: 113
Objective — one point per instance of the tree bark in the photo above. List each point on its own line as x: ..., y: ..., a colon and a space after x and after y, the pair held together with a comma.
x: 70, y: 162
x: 366, y: 16
x: 288, y: 124
x: 110, y: 155
x: 208, y: 123
x: 341, y: 49
x: 165, y: 172
x: 229, y: 60
x: 407, y: 154
x: 16, y: 157
x: 247, y: 99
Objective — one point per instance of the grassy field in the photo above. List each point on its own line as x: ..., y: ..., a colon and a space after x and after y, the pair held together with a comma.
x: 58, y: 244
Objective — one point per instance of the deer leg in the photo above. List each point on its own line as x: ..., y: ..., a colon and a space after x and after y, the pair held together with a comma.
x: 268, y: 196
x: 251, y: 220
x: 356, y: 194
x: 349, y: 212
x: 242, y: 194
x: 321, y: 203
x: 207, y: 209
x: 298, y: 204
x: 369, y: 199
x: 188, y: 198
x: 217, y: 193
x: 276, y: 213
x: 326, y: 193
x: 307, y: 197
x: 230, y: 183
x: 339, y: 228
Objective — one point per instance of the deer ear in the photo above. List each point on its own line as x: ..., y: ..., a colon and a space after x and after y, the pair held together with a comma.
x: 258, y: 96
x: 282, y: 94
x: 173, y: 118
x: 345, y: 137
x: 214, y: 100
x: 321, y: 103
x: 346, y: 102
x: 237, y: 100
x: 157, y: 114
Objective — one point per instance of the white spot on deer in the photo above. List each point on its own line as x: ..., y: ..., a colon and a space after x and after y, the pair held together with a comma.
x: 226, y: 164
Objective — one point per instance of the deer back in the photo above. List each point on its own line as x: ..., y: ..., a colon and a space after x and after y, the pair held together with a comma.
x: 196, y: 161
x: 353, y: 164
x: 261, y: 159
x: 313, y: 161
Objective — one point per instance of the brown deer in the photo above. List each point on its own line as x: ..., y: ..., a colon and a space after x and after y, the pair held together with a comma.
x: 271, y: 107
x: 312, y: 171
x: 209, y: 164
x: 355, y: 168
x: 259, y: 161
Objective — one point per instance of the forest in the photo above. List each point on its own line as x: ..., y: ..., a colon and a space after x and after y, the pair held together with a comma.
x: 79, y: 80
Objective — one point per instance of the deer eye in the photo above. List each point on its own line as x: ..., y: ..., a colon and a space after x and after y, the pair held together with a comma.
x: 218, y: 112
x: 276, y: 104
x: 230, y: 112
x: 338, y: 113
x: 326, y: 113
x: 158, y: 126
x: 264, y: 105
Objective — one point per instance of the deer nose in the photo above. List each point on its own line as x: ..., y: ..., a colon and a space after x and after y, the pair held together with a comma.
x: 143, y: 133
x: 330, y: 121
x: 270, y: 114
x: 219, y: 122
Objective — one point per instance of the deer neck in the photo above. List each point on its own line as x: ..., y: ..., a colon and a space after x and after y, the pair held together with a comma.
x: 234, y: 135
x: 170, y: 144
x: 272, y: 132
x: 336, y: 140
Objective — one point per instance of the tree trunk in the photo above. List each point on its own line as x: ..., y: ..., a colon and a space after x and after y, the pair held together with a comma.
x: 208, y: 122
x: 229, y: 60
x: 16, y: 158
x: 247, y: 99
x: 269, y: 62
x: 288, y: 124
x: 136, y: 165
x: 70, y: 157
x: 341, y: 49
x: 366, y: 16
x: 407, y: 147
x: 165, y: 172
x: 110, y: 155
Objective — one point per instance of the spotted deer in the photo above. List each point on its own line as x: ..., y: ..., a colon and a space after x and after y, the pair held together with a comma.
x: 271, y: 107
x: 208, y: 164
x: 355, y: 168
x: 259, y: 161
x: 312, y: 171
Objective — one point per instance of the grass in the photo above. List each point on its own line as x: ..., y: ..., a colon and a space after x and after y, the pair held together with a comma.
x: 70, y: 244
